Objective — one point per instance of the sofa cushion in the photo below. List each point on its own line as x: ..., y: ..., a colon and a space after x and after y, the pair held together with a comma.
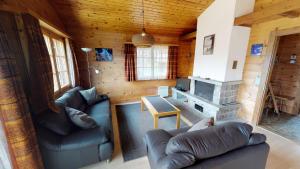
x: 56, y: 122
x: 90, y: 95
x: 257, y: 138
x: 211, y: 142
x: 72, y: 98
x: 156, y: 141
x: 100, y: 112
x: 84, y: 138
x: 80, y: 118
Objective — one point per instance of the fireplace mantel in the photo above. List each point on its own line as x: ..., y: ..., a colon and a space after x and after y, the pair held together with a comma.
x: 215, y: 82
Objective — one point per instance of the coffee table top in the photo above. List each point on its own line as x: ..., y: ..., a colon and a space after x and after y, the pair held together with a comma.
x: 160, y: 104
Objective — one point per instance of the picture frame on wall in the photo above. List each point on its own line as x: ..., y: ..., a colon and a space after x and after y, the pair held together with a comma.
x: 208, y: 44
x: 257, y: 49
x: 104, y: 54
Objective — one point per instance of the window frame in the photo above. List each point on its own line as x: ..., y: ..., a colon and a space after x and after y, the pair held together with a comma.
x: 152, y: 65
x: 55, y: 36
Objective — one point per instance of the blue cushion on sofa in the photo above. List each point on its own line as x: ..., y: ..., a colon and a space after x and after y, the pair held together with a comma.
x: 90, y: 95
x: 80, y: 118
x: 72, y: 98
x: 101, y: 114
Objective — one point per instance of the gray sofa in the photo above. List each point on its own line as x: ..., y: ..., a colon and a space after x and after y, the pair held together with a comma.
x: 228, y: 146
x: 66, y: 146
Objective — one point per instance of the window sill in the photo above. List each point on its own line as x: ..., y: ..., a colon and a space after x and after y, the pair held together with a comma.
x: 141, y: 80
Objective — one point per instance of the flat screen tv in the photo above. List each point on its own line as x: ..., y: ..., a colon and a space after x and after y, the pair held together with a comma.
x: 183, y: 84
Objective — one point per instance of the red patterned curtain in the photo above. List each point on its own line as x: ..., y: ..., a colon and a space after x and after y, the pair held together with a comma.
x: 172, y: 62
x: 130, y: 53
x: 40, y: 70
x: 14, y: 111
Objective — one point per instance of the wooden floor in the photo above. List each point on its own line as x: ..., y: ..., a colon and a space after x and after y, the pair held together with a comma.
x: 284, y: 154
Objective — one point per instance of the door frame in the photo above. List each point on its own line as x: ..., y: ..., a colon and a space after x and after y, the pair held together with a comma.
x: 267, y: 69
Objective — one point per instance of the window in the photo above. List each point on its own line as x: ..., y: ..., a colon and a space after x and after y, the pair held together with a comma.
x: 152, y: 63
x: 56, y: 48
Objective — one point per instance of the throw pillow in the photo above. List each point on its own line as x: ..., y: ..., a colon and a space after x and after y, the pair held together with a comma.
x: 81, y: 119
x: 90, y: 95
x: 56, y: 122
x: 202, y: 124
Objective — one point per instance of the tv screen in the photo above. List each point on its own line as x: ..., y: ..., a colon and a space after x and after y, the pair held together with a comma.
x: 183, y: 84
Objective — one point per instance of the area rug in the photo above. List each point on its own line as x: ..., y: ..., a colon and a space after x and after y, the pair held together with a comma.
x: 133, y: 125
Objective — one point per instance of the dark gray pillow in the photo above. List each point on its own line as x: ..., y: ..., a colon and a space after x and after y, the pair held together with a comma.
x: 257, y: 138
x: 211, y: 142
x: 59, y: 123
x: 90, y: 95
x: 81, y: 119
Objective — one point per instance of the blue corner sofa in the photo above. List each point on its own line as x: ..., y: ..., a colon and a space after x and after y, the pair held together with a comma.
x: 66, y: 146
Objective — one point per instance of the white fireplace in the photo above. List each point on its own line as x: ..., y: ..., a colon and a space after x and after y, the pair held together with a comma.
x: 216, y: 77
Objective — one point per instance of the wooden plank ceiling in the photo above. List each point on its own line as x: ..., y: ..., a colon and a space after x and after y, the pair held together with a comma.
x: 165, y: 17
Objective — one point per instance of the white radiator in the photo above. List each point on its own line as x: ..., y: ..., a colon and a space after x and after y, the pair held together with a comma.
x: 163, y: 91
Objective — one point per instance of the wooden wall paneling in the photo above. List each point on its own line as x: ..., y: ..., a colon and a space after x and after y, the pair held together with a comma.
x: 111, y: 79
x: 285, y: 76
x: 249, y: 94
x: 185, y: 59
x: 193, y: 46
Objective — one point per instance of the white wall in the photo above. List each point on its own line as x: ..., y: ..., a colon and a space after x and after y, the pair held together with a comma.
x: 230, y: 41
x: 237, y: 52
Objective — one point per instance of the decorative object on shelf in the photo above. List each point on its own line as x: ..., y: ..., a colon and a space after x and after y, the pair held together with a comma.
x: 256, y: 49
x: 293, y: 59
x: 208, y: 45
x: 104, y: 54
x: 143, y: 39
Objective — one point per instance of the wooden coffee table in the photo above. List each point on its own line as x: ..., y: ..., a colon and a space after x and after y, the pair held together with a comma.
x: 159, y: 107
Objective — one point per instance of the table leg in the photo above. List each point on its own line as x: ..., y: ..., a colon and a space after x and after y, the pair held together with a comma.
x: 142, y: 106
x: 155, y: 118
x: 178, y: 120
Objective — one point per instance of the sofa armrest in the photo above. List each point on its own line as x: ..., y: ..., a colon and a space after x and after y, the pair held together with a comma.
x: 176, y: 161
x: 156, y: 142
x: 84, y: 138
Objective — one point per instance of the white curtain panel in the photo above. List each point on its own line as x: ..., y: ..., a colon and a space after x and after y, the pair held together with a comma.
x: 70, y: 63
x: 4, y: 154
x: 152, y: 63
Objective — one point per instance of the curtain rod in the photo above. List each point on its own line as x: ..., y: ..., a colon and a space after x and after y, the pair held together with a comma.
x: 166, y: 44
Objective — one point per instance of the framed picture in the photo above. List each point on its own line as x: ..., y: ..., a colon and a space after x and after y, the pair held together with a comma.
x: 104, y: 54
x: 256, y: 49
x: 208, y: 45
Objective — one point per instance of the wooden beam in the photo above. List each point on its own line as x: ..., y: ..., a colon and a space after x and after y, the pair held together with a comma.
x: 188, y: 36
x: 290, y: 14
x: 284, y: 8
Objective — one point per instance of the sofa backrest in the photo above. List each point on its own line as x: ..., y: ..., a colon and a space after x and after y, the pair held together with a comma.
x: 71, y: 98
x: 212, y: 141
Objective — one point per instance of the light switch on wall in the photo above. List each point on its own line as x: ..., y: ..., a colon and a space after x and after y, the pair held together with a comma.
x: 234, y: 65
x: 257, y: 80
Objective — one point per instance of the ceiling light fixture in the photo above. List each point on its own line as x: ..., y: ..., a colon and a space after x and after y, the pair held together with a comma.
x: 143, y: 39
